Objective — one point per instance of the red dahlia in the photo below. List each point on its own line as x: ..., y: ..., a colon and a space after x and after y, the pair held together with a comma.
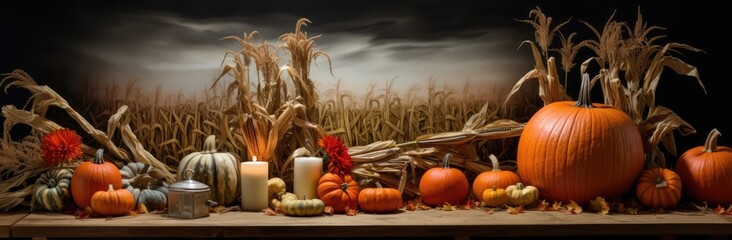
x: 60, y: 146
x: 337, y: 152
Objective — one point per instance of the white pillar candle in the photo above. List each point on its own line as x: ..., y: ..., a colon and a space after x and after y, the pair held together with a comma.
x: 307, y: 175
x: 254, y: 176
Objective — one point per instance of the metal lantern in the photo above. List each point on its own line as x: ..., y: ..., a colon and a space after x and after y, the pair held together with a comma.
x: 188, y: 198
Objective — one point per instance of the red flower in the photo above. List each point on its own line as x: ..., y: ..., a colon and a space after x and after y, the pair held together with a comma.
x: 60, y: 146
x: 337, y: 152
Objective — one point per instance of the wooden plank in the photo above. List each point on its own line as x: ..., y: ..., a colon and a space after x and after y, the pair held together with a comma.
x: 418, y: 223
x: 7, y: 220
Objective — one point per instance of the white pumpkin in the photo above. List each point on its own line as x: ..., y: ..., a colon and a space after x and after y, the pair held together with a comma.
x: 218, y: 170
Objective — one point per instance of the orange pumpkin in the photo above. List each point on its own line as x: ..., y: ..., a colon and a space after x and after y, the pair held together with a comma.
x: 493, y: 179
x: 112, y: 202
x: 379, y: 199
x: 440, y: 185
x: 494, y: 197
x: 580, y: 150
x: 706, y: 172
x: 659, y: 188
x: 93, y: 176
x: 338, y: 191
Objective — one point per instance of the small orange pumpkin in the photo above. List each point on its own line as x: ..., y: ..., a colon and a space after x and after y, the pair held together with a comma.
x: 338, y: 191
x: 380, y: 200
x: 493, y: 179
x: 659, y: 188
x: 706, y: 172
x: 441, y: 185
x: 494, y: 197
x: 112, y: 202
x: 93, y: 176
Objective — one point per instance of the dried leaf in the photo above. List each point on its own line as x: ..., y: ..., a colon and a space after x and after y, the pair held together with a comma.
x: 573, y: 207
x: 328, y: 210
x: 469, y: 204
x: 719, y: 210
x: 490, y: 211
x: 351, y: 212
x: 141, y: 208
x: 600, y: 206
x: 515, y: 210
x: 83, y: 214
x: 221, y: 209
x: 269, y: 212
x: 447, y: 207
x: 632, y: 210
x: 543, y: 205
x: 556, y: 206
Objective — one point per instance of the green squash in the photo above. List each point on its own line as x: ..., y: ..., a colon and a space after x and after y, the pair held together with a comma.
x: 218, y: 170
x: 144, y: 188
x: 301, y: 207
x: 52, y: 189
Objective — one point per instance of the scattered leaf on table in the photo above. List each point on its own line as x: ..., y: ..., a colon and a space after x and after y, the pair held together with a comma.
x: 83, y: 214
x: 328, y: 210
x: 515, y: 210
x: 447, y: 207
x: 469, y: 204
x: 269, y: 212
x: 490, y: 211
x: 142, y: 208
x: 719, y: 210
x: 556, y: 206
x: 573, y: 207
x: 632, y: 210
x: 351, y: 212
x: 543, y: 205
x: 600, y: 206
x: 619, y: 207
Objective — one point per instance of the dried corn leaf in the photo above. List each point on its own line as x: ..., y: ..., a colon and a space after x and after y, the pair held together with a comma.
x: 499, y: 129
x: 375, y: 156
x: 376, y: 146
x: 445, y: 139
x: 662, y: 121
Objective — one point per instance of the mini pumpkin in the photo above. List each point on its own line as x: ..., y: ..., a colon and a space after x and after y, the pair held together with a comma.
x: 659, y: 188
x: 380, y: 199
x: 706, y: 172
x: 520, y: 195
x: 218, y: 170
x: 493, y: 179
x: 51, y: 190
x: 440, y: 185
x: 338, y: 191
x: 276, y: 188
x: 144, y: 188
x: 112, y: 202
x: 93, y: 176
x: 494, y: 197
x: 301, y: 207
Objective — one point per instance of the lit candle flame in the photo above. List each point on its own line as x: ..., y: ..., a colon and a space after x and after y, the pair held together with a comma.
x: 254, y: 158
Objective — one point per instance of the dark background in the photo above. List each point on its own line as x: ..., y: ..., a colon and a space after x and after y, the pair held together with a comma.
x: 40, y: 37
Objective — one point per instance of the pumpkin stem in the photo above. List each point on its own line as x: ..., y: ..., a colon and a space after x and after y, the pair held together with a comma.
x: 659, y: 180
x: 111, y: 188
x: 344, y: 187
x: 584, y: 96
x: 209, y: 145
x: 446, y: 161
x: 99, y: 157
x: 520, y: 186
x: 378, y: 185
x: 494, y: 188
x: 494, y: 161
x: 711, y: 144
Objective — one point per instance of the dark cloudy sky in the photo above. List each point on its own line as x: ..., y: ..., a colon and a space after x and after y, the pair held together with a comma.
x: 175, y: 44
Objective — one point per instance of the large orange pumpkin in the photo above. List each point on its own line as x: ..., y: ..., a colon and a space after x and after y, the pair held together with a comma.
x: 380, y: 200
x: 493, y: 179
x: 93, y: 176
x: 580, y: 150
x: 706, y: 172
x: 440, y: 185
x: 659, y: 188
x: 338, y: 191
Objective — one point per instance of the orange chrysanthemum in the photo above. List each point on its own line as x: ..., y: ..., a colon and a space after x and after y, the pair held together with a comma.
x: 60, y: 146
x: 337, y: 153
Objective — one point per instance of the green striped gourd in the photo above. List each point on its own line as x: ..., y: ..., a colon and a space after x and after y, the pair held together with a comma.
x: 218, y: 170
x: 51, y: 190
x: 301, y: 207
x: 144, y: 188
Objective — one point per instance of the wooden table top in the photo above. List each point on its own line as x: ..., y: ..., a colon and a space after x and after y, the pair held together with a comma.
x: 405, y: 223
x: 7, y: 220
